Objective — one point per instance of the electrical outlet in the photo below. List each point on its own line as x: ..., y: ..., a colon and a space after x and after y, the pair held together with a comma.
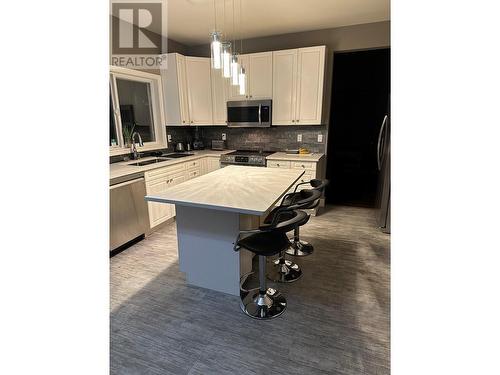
x: 223, y: 136
x: 299, y: 137
x: 169, y: 138
x: 320, y: 138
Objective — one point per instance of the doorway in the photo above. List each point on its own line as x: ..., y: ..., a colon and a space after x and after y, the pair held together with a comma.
x: 360, y: 100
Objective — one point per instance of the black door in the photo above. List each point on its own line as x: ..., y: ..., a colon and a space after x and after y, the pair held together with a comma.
x: 361, y: 85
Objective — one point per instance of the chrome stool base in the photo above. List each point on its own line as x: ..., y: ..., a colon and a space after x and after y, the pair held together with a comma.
x: 263, y: 306
x: 284, y: 271
x: 299, y: 248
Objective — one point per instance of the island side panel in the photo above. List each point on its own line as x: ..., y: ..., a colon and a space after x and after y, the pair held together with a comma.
x: 205, y: 242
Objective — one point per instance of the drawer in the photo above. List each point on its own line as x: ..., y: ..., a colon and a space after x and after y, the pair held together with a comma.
x: 192, y: 173
x: 162, y: 172
x: 278, y: 164
x: 304, y: 165
x: 193, y: 164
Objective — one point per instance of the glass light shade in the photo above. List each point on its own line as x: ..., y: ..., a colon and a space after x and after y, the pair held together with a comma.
x: 242, y: 81
x: 235, y: 70
x: 226, y: 59
x: 215, y: 49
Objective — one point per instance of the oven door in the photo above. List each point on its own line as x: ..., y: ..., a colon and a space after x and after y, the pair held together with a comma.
x: 249, y: 113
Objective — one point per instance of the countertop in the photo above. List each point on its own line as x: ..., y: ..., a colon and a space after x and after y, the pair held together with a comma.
x: 121, y: 170
x: 246, y: 190
x: 313, y: 157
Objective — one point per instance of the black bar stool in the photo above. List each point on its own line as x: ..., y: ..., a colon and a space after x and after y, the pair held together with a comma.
x: 297, y: 246
x: 268, y: 240
x: 284, y: 270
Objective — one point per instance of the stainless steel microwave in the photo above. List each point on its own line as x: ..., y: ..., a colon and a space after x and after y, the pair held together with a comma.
x: 249, y: 113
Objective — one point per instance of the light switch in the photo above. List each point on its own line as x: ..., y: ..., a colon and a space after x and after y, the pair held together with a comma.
x: 299, y: 137
x: 223, y: 136
x: 320, y: 138
x: 169, y: 138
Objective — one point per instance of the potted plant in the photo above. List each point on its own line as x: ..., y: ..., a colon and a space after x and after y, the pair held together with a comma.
x: 128, y: 130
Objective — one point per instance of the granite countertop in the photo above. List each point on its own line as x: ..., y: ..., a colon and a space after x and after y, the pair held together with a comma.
x: 118, y: 172
x: 241, y: 189
x: 314, y: 157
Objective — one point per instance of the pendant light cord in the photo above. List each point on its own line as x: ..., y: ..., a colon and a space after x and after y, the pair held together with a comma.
x: 215, y: 17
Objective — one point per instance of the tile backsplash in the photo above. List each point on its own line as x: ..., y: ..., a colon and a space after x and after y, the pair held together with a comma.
x: 275, y: 138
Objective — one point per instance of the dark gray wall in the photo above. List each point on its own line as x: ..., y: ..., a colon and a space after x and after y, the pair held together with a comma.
x: 356, y: 37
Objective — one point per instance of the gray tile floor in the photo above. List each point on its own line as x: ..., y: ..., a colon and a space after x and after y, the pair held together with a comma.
x: 337, y: 320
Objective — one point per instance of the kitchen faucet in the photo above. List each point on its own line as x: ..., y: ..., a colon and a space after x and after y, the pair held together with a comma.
x: 137, y: 155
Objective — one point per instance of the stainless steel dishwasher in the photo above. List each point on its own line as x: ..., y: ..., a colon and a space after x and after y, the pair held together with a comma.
x: 128, y: 218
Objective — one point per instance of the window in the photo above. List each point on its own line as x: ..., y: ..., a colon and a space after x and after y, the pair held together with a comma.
x: 136, y: 106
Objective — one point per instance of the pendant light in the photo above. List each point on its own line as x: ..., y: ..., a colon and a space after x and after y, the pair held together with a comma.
x: 235, y: 69
x: 226, y: 59
x: 215, y: 49
x: 242, y: 81
x: 242, y: 75
x: 215, y: 45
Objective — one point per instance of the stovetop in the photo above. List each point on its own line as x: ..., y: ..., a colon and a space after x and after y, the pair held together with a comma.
x: 250, y: 152
x: 246, y: 157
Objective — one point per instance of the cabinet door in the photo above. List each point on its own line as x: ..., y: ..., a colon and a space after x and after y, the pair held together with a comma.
x: 310, y: 75
x: 284, y: 86
x: 175, y: 180
x: 158, y: 212
x: 219, y: 107
x: 234, y: 91
x: 199, y: 90
x: 183, y: 92
x: 212, y: 164
x: 260, y: 78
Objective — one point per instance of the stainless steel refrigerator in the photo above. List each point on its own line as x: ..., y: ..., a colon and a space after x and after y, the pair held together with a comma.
x: 383, y: 202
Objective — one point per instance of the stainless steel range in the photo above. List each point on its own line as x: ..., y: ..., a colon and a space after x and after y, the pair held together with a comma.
x: 245, y: 157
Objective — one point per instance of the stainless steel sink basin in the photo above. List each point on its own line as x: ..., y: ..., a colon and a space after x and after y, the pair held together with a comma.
x: 176, y: 155
x: 147, y: 162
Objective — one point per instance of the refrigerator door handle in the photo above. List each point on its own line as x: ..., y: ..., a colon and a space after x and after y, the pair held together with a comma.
x: 379, y: 161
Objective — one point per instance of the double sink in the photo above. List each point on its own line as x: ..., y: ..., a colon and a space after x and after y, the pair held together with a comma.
x: 163, y: 158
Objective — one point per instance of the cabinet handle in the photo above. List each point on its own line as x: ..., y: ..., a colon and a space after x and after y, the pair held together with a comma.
x: 293, y: 120
x: 191, y: 121
x: 183, y: 121
x: 250, y: 95
x: 297, y: 120
x: 278, y: 164
x: 303, y: 166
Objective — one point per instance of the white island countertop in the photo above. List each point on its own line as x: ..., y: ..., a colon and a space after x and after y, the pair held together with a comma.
x: 246, y: 190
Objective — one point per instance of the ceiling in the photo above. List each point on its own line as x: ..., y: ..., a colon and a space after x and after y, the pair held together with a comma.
x: 191, y: 21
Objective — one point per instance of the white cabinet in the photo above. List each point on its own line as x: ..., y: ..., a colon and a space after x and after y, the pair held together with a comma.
x: 298, y: 81
x: 219, y: 95
x: 199, y: 90
x: 310, y: 82
x: 175, y: 90
x: 158, y: 212
x: 259, y: 77
x: 212, y: 164
x: 284, y: 86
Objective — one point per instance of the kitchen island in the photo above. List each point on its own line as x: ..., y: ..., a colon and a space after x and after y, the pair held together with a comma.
x: 210, y: 211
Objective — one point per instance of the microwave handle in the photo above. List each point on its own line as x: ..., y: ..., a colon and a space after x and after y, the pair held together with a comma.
x: 260, y: 113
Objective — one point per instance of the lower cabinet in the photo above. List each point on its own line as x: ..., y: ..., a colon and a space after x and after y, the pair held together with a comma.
x: 161, y: 179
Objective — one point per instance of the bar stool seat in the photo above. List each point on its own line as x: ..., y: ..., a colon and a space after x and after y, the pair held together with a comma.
x: 267, y: 240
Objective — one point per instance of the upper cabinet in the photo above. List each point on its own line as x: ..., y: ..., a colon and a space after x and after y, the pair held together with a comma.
x: 199, y: 90
x: 219, y: 94
x: 298, y: 81
x: 187, y: 90
x: 196, y: 94
x: 259, y: 75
